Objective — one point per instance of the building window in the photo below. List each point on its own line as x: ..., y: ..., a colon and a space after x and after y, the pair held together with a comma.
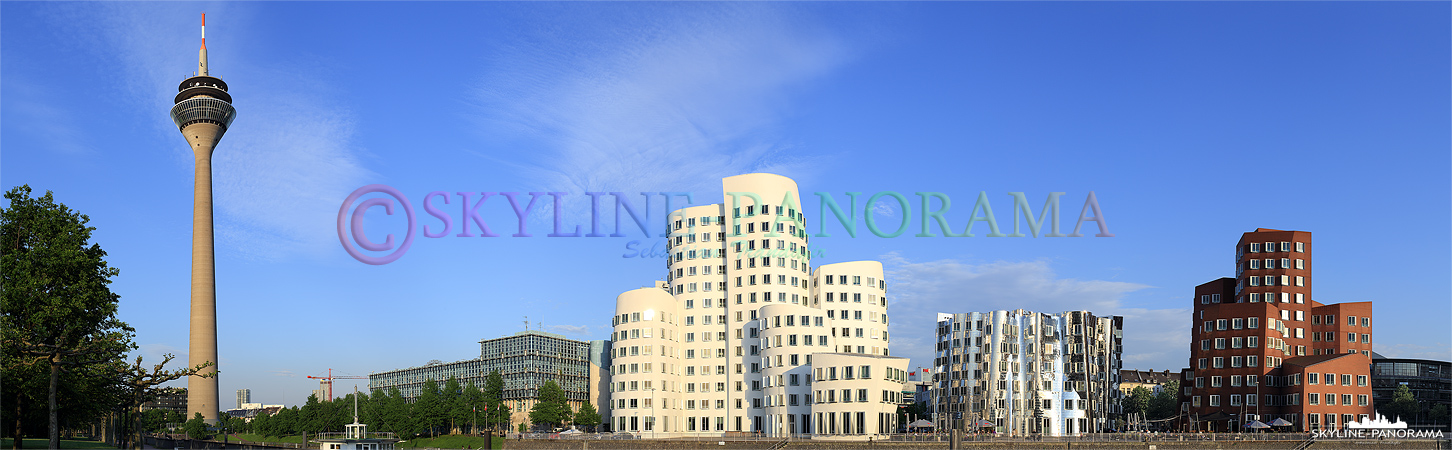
x: 1219, y: 362
x: 1254, y: 248
x: 1215, y: 400
x: 1300, y: 247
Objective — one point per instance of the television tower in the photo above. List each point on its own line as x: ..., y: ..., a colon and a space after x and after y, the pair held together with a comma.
x: 202, y: 112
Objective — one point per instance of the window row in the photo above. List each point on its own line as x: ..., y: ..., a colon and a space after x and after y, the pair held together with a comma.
x: 1270, y: 247
x: 1270, y: 280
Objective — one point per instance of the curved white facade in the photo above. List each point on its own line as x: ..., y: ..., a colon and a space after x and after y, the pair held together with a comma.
x: 745, y: 316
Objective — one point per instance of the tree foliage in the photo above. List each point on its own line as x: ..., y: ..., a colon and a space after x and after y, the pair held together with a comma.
x: 141, y: 386
x: 1138, y: 401
x: 1166, y: 403
x: 57, y: 312
x: 587, y: 416
x: 1403, y: 405
x: 196, y: 428
x: 498, y: 411
x: 551, y: 408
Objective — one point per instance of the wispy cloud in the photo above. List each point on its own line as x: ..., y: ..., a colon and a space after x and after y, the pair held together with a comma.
x: 1436, y: 350
x: 672, y: 103
x: 1154, y: 338
x: 283, y: 373
x: 578, y: 330
x: 286, y: 162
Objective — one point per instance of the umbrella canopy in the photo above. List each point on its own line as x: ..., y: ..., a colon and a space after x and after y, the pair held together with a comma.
x: 921, y: 423
x: 1216, y: 416
x: 984, y: 424
x: 1280, y: 423
x: 1256, y: 424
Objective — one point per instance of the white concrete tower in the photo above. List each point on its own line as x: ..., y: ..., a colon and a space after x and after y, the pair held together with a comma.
x: 202, y: 112
x: 750, y: 322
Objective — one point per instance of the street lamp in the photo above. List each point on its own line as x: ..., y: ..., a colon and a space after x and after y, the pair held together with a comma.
x: 650, y: 421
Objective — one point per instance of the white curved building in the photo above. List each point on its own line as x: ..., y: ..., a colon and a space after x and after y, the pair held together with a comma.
x: 738, y: 321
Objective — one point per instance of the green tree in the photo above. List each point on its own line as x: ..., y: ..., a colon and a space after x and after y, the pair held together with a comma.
x: 587, y: 416
x: 398, y: 414
x: 428, y: 409
x: 475, y: 405
x: 140, y: 386
x: 1138, y: 401
x: 498, y: 411
x: 1166, y: 403
x: 1403, y: 405
x: 452, y: 397
x: 551, y: 407
x: 197, y: 427
x: 1438, y: 416
x: 57, y: 310
x: 175, y: 418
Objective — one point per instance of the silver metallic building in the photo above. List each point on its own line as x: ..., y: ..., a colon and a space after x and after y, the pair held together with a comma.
x: 1023, y: 372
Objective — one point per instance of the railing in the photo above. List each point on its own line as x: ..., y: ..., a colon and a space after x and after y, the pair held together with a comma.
x: 345, y: 435
x: 1100, y: 437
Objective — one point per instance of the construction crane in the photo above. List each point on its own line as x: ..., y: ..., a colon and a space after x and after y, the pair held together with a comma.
x: 326, y: 383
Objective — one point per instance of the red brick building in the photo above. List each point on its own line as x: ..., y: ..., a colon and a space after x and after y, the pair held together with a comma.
x: 1262, y: 349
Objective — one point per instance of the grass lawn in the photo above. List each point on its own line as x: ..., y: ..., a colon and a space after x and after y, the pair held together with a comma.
x: 42, y: 443
x: 452, y: 442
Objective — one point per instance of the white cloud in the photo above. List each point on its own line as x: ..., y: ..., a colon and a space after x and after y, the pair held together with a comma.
x: 285, y: 164
x: 659, y: 104
x: 578, y: 330
x: 1436, y: 350
x: 1153, y: 338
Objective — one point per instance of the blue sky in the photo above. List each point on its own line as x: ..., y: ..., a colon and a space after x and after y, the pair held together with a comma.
x: 1192, y: 122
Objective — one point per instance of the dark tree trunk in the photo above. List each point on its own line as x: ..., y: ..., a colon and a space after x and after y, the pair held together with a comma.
x: 54, y: 432
x: 19, y: 424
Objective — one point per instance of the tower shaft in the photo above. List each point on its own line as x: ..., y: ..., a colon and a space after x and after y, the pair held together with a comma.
x: 202, y: 393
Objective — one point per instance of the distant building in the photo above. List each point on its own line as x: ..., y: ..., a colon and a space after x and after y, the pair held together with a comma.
x: 525, y: 360
x: 244, y: 396
x: 918, y: 389
x: 170, y: 399
x: 1148, y: 379
x: 1024, y: 372
x: 249, y: 411
x: 1429, y: 380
